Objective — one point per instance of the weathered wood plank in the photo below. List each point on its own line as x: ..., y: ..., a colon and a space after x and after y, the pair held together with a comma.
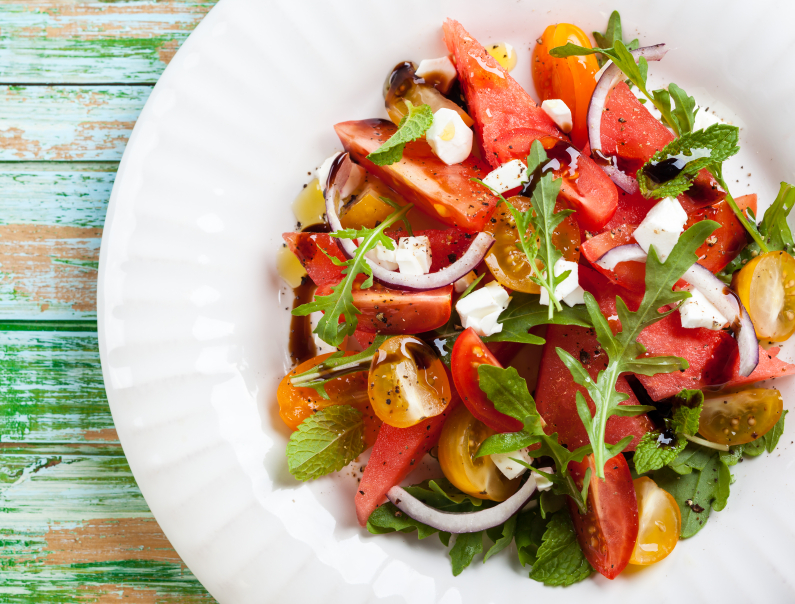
x: 68, y: 123
x: 51, y: 217
x: 75, y: 528
x: 76, y: 41
x: 52, y: 389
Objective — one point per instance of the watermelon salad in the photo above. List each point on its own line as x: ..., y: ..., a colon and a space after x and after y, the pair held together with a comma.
x: 558, y: 299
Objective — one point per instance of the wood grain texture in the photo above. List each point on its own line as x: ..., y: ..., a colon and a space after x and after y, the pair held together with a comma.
x: 77, y: 41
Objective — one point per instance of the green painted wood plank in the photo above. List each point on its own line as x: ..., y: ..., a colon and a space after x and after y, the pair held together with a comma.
x: 51, y: 218
x: 79, y: 41
x: 68, y: 123
x: 52, y: 389
x: 74, y: 527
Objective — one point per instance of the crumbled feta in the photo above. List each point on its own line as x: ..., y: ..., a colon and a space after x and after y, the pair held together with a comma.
x: 508, y: 176
x: 383, y: 257
x: 464, y: 282
x: 542, y: 482
x: 449, y: 137
x: 481, y: 309
x: 697, y: 311
x: 441, y: 72
x: 354, y: 181
x: 413, y: 255
x: 568, y: 288
x: 559, y: 112
x: 661, y: 227
x: 510, y: 468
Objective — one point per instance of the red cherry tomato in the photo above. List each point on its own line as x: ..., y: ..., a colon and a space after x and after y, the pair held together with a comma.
x: 468, y: 354
x: 608, y: 531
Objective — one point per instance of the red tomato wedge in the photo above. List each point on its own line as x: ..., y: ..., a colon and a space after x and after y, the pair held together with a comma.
x: 468, y: 354
x: 608, y: 531
x: 396, y: 452
x: 392, y: 311
x: 634, y: 135
x: 508, y: 120
x: 444, y: 192
x: 307, y: 247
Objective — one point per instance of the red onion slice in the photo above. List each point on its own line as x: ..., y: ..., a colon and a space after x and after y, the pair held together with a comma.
x: 467, y: 522
x: 338, y: 174
x: 621, y: 179
x: 716, y: 291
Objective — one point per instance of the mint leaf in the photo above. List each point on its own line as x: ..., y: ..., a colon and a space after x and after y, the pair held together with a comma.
x: 339, y: 303
x: 502, y: 536
x: 388, y: 519
x: 325, y: 442
x: 687, y: 411
x: 652, y: 454
x: 466, y: 546
x: 530, y: 527
x: 560, y: 560
x: 413, y: 125
x: 701, y: 149
x: 612, y: 33
x: 623, y: 350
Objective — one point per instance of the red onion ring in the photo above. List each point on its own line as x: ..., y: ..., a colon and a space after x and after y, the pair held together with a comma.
x: 466, y: 522
x: 338, y: 174
x: 607, y: 81
x: 716, y: 291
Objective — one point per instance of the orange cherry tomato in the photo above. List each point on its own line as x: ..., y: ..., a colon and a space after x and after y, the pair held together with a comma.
x: 737, y: 418
x: 571, y: 79
x: 296, y: 404
x: 766, y: 285
x: 659, y: 522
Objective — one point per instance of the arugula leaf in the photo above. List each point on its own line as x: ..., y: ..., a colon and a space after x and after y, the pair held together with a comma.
x: 336, y: 366
x: 466, y: 546
x: 774, y: 227
x: 559, y: 560
x: 701, y: 149
x: 623, y: 350
x: 612, y: 33
x: 413, y: 125
x: 508, y: 391
x: 502, y: 536
x: 339, y: 303
x: 651, y: 454
x: 682, y: 116
x: 525, y: 312
x: 699, y: 481
x: 325, y: 442
x: 768, y: 442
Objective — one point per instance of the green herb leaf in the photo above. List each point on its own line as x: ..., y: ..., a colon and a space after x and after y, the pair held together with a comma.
x: 413, y: 125
x: 684, y: 113
x: 466, y: 547
x: 525, y: 312
x: 388, y: 519
x: 687, y: 411
x: 623, y: 349
x: 613, y: 33
x: 774, y: 227
x: 560, y: 560
x: 652, y: 455
x: 339, y: 303
x: 502, y: 536
x: 530, y: 527
x: 774, y: 435
x: 336, y: 366
x: 701, y: 149
x: 325, y: 442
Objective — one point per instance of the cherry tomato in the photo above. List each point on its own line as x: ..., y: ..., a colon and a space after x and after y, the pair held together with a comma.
x: 571, y: 79
x: 296, y: 404
x: 608, y: 531
x: 740, y: 417
x: 508, y: 263
x: 468, y: 354
x: 766, y: 285
x: 659, y: 522
x: 477, y: 476
x: 407, y: 382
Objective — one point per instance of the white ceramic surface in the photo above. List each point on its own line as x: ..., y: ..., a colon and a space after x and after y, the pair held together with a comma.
x: 193, y: 320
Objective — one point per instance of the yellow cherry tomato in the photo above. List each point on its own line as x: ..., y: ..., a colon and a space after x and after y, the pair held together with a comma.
x: 508, y: 263
x: 659, y: 522
x: 740, y: 417
x: 766, y: 285
x: 477, y: 476
x: 407, y: 382
x: 571, y: 80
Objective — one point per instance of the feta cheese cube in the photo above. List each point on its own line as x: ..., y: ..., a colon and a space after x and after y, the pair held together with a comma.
x: 510, y: 468
x: 413, y: 255
x: 566, y: 287
x: 542, y: 482
x: 464, y: 282
x: 355, y: 178
x: 383, y: 257
x: 449, y: 137
x: 439, y: 73
x: 697, y: 311
x: 575, y: 297
x: 559, y: 112
x: 661, y: 227
x: 481, y: 309
x: 508, y: 176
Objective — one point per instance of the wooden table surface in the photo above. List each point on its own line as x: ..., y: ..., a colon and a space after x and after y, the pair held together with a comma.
x: 74, y: 75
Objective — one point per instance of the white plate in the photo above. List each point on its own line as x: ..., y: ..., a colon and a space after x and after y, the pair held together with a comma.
x: 193, y: 320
